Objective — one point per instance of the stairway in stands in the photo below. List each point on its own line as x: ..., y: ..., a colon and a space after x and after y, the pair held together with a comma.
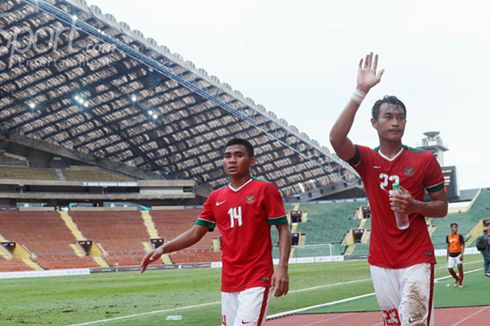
x: 13, y: 261
x: 120, y: 234
x: 95, y: 252
x: 153, y: 233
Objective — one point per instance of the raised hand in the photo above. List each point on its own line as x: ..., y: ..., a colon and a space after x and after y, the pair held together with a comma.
x: 367, y: 75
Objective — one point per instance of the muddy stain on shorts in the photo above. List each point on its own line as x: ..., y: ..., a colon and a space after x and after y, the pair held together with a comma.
x: 416, y: 305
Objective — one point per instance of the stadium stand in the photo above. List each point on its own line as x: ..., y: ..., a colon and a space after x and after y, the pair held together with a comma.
x: 171, y: 223
x: 86, y: 173
x: 361, y: 249
x: 328, y: 222
x: 45, y: 236
x: 62, y: 261
x: 196, y: 256
x: 140, y: 108
x: 6, y: 159
x: 13, y: 265
x: 26, y: 173
x: 74, y: 173
x: 358, y: 246
x: 121, y: 234
x: 466, y: 220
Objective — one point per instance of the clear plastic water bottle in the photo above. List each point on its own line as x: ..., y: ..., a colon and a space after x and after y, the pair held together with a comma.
x: 173, y: 317
x: 402, y: 221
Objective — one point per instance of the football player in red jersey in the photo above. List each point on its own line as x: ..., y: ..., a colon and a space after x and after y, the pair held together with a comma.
x: 243, y: 211
x: 401, y: 260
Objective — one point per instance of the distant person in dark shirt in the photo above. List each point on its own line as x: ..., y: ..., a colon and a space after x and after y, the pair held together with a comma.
x: 483, y: 244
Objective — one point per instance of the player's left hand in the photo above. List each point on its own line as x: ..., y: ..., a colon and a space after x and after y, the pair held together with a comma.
x: 280, y: 281
x: 403, y: 203
x: 368, y: 74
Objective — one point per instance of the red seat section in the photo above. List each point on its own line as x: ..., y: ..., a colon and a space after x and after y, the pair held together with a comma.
x: 171, y: 223
x: 46, y: 236
x: 195, y: 256
x: 120, y: 233
x: 13, y: 265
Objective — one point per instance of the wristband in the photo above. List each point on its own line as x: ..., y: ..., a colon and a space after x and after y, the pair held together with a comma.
x: 358, y: 96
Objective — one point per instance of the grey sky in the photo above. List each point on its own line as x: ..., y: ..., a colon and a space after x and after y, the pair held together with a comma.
x: 299, y: 60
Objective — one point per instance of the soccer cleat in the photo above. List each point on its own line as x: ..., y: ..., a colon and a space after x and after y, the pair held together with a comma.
x: 459, y: 285
x: 487, y: 274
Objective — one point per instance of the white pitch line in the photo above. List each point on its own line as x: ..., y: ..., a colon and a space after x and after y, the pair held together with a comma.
x: 366, y: 279
x: 331, y: 303
x: 101, y: 321
x: 472, y: 315
x: 145, y: 314
x: 449, y: 276
x: 95, y: 322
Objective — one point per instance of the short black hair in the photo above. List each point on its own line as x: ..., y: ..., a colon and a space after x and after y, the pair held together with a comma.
x: 452, y: 224
x: 244, y: 142
x: 390, y: 100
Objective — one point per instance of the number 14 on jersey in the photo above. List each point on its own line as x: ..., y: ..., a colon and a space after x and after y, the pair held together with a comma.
x: 235, y: 214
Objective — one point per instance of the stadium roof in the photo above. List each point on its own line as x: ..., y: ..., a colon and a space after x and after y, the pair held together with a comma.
x: 73, y: 77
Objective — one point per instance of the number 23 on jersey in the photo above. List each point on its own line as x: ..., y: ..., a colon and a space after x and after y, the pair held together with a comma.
x: 385, y: 180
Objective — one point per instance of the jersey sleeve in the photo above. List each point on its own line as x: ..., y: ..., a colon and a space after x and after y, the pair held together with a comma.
x: 360, y: 159
x: 434, y: 180
x: 276, y: 214
x: 206, y: 218
x: 356, y: 159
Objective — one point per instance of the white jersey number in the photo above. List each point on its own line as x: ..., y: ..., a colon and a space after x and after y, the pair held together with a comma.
x: 386, y: 179
x: 235, y: 214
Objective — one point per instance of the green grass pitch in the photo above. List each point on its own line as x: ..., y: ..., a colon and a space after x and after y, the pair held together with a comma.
x: 79, y: 299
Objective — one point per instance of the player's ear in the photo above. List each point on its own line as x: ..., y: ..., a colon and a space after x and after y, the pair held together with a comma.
x: 374, y: 123
x: 253, y: 161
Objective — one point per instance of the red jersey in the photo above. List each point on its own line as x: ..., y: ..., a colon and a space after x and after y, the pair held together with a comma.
x: 244, y: 217
x: 415, y: 170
